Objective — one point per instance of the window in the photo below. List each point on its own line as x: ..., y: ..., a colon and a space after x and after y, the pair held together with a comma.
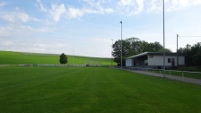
x: 169, y: 60
x: 151, y: 56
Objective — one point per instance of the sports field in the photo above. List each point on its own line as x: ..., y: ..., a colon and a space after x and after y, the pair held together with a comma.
x: 92, y: 90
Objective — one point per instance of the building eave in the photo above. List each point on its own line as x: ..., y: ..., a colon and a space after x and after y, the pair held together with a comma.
x: 153, y: 53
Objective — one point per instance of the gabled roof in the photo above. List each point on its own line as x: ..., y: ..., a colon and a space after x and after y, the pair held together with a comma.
x: 152, y: 53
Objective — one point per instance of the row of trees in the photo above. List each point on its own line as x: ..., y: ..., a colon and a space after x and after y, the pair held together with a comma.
x: 133, y: 46
x: 192, y: 54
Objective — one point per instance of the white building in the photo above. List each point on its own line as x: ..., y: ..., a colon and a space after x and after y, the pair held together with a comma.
x: 155, y: 60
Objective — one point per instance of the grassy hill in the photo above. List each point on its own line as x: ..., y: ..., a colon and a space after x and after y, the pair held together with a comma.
x: 9, y: 57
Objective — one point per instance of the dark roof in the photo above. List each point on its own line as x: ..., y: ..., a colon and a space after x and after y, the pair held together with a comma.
x: 153, y: 53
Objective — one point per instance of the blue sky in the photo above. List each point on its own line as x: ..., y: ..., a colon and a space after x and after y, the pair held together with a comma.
x: 87, y: 27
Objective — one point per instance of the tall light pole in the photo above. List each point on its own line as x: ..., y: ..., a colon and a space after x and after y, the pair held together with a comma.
x: 163, y: 39
x: 177, y: 51
x: 111, y: 53
x: 73, y: 56
x: 121, y: 43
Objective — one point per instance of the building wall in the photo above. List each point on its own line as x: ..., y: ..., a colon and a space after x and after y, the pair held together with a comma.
x: 181, y: 60
x: 129, y: 62
x: 156, y: 60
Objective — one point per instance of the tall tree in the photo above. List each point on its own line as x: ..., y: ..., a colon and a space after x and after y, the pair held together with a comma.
x: 155, y: 47
x: 63, y: 59
x: 186, y: 51
x: 117, y: 51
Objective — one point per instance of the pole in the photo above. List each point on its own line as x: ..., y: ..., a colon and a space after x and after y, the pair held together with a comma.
x: 73, y: 57
x: 111, y: 54
x: 177, y: 52
x: 163, y: 39
x: 121, y: 43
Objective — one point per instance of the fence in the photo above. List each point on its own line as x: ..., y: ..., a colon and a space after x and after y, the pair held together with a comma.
x: 49, y: 65
x: 61, y: 65
x: 138, y: 68
x: 188, y: 74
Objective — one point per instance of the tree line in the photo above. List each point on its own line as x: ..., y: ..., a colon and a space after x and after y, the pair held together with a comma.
x: 192, y: 54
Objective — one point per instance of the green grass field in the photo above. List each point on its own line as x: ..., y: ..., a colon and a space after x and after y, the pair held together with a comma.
x: 191, y: 68
x: 92, y: 90
x: 8, y: 57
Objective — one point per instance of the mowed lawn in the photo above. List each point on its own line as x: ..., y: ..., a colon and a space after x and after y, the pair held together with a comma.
x: 92, y: 90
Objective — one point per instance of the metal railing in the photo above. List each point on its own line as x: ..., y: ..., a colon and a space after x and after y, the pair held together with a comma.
x: 188, y: 74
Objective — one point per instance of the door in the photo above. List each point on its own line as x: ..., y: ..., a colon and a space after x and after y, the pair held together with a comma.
x: 173, y: 62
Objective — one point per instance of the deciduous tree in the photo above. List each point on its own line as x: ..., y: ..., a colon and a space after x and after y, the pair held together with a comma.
x: 63, y: 59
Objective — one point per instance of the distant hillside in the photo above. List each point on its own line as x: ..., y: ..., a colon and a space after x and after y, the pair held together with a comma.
x: 9, y: 57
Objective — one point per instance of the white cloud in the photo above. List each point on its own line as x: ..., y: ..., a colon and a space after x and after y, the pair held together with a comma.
x: 126, y: 2
x: 98, y: 11
x: 23, y: 17
x: 124, y: 7
x: 92, y: 8
x: 74, y: 13
x: 7, y: 43
x: 183, y: 3
x: 2, y: 4
x: 154, y: 6
x: 140, y: 6
x: 22, y: 30
x: 98, y: 4
x: 171, y: 5
x: 131, y: 7
x: 41, y: 6
x: 57, y: 11
x: 197, y: 2
x: 37, y: 46
x: 14, y: 16
x: 45, y: 47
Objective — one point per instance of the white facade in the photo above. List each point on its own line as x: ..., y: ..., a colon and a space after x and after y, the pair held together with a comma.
x: 152, y: 59
x: 129, y: 62
x: 157, y: 60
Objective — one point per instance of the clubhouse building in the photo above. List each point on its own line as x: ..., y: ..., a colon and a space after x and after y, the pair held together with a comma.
x: 155, y: 60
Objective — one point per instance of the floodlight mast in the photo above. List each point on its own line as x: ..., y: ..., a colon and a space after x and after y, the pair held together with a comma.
x: 121, y: 43
x: 177, y: 51
x: 73, y: 56
x: 111, y: 53
x: 163, y: 39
